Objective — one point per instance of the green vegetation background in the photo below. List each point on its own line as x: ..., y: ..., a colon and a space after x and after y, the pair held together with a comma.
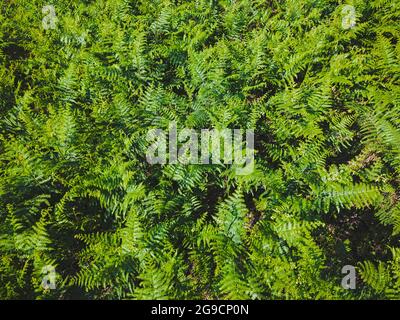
x: 76, y: 191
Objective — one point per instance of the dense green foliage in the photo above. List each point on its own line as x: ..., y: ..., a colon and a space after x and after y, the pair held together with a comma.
x: 77, y: 193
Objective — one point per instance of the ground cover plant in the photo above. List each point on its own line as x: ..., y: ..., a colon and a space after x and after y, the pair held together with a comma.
x: 82, y: 83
